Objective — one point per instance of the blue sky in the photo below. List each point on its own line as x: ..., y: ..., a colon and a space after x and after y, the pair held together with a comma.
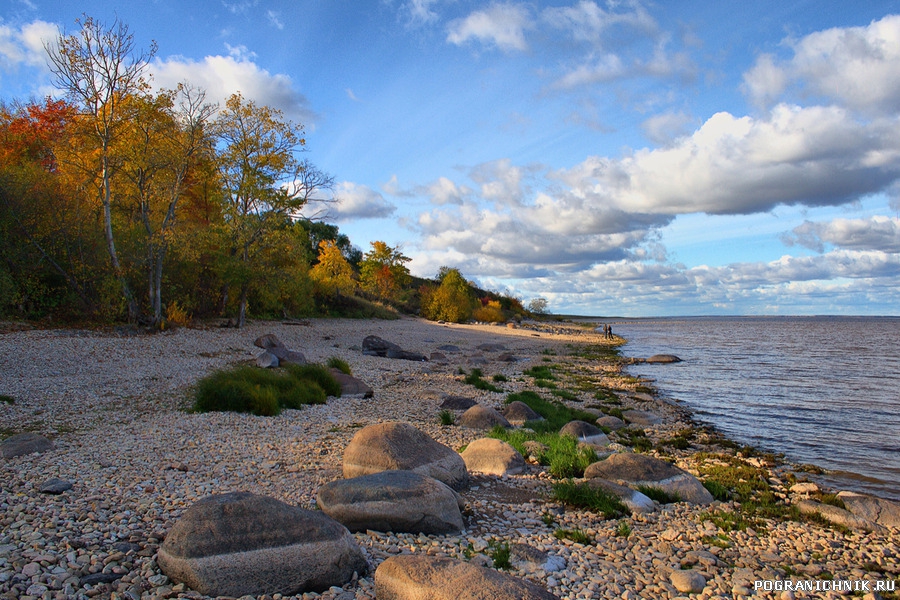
x: 616, y: 158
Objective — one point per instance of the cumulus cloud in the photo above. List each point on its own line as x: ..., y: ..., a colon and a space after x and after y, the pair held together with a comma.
x: 665, y: 128
x: 222, y: 76
x: 444, y: 191
x: 856, y: 66
x: 817, y: 156
x: 500, y: 25
x: 354, y: 201
x: 878, y: 233
x: 24, y: 46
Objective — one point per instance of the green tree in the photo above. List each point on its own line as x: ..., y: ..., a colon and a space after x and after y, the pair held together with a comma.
x: 99, y: 69
x: 262, y: 184
x: 452, y: 300
x: 383, y: 270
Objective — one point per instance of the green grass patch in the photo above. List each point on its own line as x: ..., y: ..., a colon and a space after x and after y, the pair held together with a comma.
x: 500, y: 378
x: 566, y: 395
x: 540, y: 372
x: 575, y: 535
x: 476, y: 378
x: 658, y: 494
x: 581, y: 495
x: 7, y: 399
x: 340, y: 364
x: 729, y: 521
x: 555, y: 413
x: 563, y: 456
x: 264, y: 392
x: 634, y: 437
x: 741, y: 479
x: 623, y: 529
x: 607, y: 396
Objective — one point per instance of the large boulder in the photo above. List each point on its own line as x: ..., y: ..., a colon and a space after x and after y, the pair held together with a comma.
x: 482, y: 417
x: 398, y: 501
x: 492, y: 457
x: 274, y: 347
x: 641, y: 417
x: 458, y: 402
x: 375, y: 346
x: 519, y: 413
x: 23, y: 444
x: 635, y: 470
x: 421, y: 577
x: 836, y: 515
x: 663, y: 359
x: 877, y: 510
x: 611, y: 422
x: 585, y: 432
x: 240, y: 543
x: 400, y: 446
x: 350, y: 385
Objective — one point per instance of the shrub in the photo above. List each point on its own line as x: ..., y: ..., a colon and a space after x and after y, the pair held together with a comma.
x: 492, y: 313
x: 540, y: 372
x: 7, y: 399
x: 582, y: 495
x: 177, y: 316
x: 340, y: 364
x: 623, y: 529
x: 262, y: 391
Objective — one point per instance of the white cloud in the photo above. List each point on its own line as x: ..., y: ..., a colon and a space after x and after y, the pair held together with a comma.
x: 663, y: 129
x: 222, y: 76
x: 590, y: 23
x: 24, y: 46
x: 817, y: 156
x: 356, y: 201
x: 444, y: 191
x: 879, y: 233
x: 856, y: 66
x: 420, y: 11
x: 275, y: 19
x: 501, y: 25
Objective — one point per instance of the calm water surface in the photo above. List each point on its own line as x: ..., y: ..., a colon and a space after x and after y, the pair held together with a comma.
x: 821, y: 390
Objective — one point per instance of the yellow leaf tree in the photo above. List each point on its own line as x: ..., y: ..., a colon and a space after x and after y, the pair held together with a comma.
x: 333, y: 274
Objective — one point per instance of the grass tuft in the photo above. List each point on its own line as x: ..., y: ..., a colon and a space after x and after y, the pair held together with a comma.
x: 340, y: 364
x: 447, y: 418
x: 563, y: 456
x: 582, y: 495
x: 658, y: 494
x: 264, y: 392
x: 576, y: 535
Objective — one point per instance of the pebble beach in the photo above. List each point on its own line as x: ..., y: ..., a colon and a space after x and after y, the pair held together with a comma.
x: 116, y: 406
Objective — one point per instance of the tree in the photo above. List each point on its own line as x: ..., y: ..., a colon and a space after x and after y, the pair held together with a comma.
x: 451, y: 301
x: 538, y: 305
x: 383, y: 270
x: 262, y: 184
x: 99, y: 69
x: 333, y: 274
x: 165, y: 141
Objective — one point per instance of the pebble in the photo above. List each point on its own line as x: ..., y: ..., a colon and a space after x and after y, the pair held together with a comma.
x: 114, y: 408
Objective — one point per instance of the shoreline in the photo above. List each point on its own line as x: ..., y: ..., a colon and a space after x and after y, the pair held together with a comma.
x: 123, y: 439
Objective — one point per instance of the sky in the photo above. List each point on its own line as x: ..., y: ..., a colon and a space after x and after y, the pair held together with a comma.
x: 616, y: 158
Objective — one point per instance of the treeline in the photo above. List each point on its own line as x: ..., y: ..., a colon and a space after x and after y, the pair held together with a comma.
x: 119, y: 203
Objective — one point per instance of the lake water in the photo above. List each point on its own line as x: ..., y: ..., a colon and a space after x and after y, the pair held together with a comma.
x: 821, y: 390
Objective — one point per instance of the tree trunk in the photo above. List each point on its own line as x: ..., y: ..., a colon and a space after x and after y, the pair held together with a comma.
x: 131, y: 302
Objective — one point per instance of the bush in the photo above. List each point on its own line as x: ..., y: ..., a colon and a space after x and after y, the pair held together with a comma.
x: 264, y: 392
x: 492, y: 313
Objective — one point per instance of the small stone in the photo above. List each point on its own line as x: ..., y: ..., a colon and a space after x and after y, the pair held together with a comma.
x: 158, y: 580
x: 688, y: 582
